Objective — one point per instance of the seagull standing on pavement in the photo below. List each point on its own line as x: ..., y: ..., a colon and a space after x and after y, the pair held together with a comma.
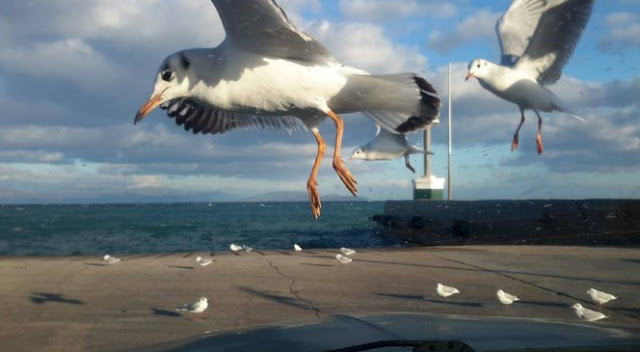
x: 506, y: 298
x: 203, y: 262
x: 600, y: 297
x: 537, y: 38
x: 446, y: 291
x: 267, y: 73
x: 110, y: 260
x: 587, y: 314
x: 387, y: 146
x: 195, y: 308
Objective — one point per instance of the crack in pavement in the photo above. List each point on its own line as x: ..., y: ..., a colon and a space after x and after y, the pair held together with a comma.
x: 530, y: 284
x: 293, y: 292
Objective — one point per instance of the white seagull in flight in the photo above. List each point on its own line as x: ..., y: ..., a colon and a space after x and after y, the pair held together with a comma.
x: 267, y: 73
x: 387, y: 146
x: 537, y: 38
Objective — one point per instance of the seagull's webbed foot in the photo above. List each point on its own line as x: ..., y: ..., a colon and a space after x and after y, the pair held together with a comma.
x: 514, y: 143
x: 408, y: 164
x: 314, y: 198
x: 539, y: 145
x: 345, y: 175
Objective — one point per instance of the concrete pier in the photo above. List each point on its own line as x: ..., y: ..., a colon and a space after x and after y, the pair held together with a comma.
x: 81, y: 304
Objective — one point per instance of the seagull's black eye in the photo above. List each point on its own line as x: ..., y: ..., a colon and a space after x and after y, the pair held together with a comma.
x: 478, y: 65
x: 166, y: 75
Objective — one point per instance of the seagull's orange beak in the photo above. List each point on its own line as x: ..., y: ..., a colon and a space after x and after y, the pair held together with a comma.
x: 148, y: 107
x: 469, y: 75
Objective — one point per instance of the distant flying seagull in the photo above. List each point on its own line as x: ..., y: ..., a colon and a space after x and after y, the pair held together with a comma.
x: 268, y: 74
x: 203, y: 262
x: 347, y: 251
x: 537, y: 38
x: 110, y: 260
x: 195, y: 308
x: 600, y: 297
x: 506, y: 298
x: 446, y: 291
x: 297, y: 248
x: 387, y: 146
x: 587, y: 314
x: 343, y: 259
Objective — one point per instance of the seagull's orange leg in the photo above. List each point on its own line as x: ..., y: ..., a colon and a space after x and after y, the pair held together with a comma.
x: 514, y: 143
x: 338, y: 163
x: 312, y: 184
x: 539, y: 135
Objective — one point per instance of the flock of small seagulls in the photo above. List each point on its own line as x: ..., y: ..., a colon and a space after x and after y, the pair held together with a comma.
x: 598, y: 297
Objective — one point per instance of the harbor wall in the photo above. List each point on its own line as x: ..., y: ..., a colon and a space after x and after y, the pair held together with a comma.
x: 562, y: 222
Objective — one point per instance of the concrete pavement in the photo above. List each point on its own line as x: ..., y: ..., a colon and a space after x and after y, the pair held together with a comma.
x: 80, y: 304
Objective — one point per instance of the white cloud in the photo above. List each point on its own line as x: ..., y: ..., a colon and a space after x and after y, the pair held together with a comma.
x: 478, y: 25
x: 366, y: 46
x: 624, y: 30
x: 394, y: 10
x: 70, y: 60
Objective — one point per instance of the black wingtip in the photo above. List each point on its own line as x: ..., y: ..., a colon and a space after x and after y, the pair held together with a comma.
x: 428, y: 94
x: 429, y: 107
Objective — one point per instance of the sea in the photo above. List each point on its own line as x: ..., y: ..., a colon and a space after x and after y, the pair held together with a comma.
x: 88, y: 229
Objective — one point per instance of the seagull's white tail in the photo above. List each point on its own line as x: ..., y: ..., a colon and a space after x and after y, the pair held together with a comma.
x: 559, y: 105
x: 399, y: 103
x: 576, y: 117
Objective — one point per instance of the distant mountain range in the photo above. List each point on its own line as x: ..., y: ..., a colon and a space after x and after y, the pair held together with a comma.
x: 204, y: 197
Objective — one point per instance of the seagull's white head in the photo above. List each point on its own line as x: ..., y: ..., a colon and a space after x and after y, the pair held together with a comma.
x: 591, y: 291
x: 171, y: 82
x: 500, y: 292
x: 359, y: 153
x: 204, y: 299
x: 577, y: 306
x: 477, y: 68
x: 106, y: 257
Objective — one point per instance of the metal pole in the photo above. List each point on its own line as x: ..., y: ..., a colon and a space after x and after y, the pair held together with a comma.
x: 427, y: 155
x: 449, y: 178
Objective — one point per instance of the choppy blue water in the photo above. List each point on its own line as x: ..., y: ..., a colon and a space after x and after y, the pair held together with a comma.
x: 160, y: 228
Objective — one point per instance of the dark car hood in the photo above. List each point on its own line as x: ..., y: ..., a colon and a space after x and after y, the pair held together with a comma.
x: 481, y: 333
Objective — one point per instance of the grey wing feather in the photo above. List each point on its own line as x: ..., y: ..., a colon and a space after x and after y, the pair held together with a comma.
x: 262, y: 27
x: 206, y: 120
x: 516, y: 27
x: 386, y: 141
x: 555, y: 39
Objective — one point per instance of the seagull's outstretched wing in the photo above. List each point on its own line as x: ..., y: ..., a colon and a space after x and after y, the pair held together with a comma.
x: 555, y: 39
x: 262, y: 27
x: 516, y: 27
x: 201, y: 119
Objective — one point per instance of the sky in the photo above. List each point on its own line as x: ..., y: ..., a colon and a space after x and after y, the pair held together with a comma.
x: 73, y: 73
